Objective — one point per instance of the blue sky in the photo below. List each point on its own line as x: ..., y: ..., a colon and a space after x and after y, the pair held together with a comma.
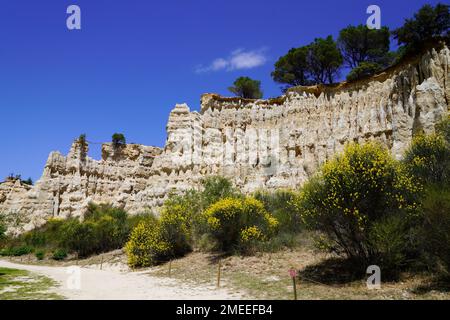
x: 133, y: 60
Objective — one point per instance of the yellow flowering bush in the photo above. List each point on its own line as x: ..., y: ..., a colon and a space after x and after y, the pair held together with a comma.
x: 147, y: 246
x: 156, y: 240
x: 251, y: 233
x: 235, y: 222
x: 351, y: 192
x: 428, y: 159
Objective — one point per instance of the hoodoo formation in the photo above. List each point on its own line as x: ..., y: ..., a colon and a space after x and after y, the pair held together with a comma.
x: 273, y: 143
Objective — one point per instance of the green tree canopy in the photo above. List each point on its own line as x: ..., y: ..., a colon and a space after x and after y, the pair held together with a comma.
x: 428, y: 22
x: 364, y: 69
x: 292, y: 69
x: 360, y: 44
x: 318, y: 62
x: 118, y: 139
x: 246, y: 87
x: 324, y: 60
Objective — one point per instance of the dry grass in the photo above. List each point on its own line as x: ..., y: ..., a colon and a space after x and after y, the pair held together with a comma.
x: 265, y: 276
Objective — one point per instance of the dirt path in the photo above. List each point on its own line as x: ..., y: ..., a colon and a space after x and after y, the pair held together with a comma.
x: 111, y: 285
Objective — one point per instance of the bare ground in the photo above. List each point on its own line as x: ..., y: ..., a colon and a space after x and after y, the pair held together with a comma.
x: 261, y: 276
x: 111, y: 284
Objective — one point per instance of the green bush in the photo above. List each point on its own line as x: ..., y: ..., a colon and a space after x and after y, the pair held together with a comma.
x: 393, y: 242
x: 364, y: 69
x: 40, y: 254
x: 16, y: 251
x: 47, y: 235
x: 428, y: 159
x: 190, y: 205
x: 175, y: 229
x: 103, y: 228
x: 443, y: 128
x: 79, y: 237
x: 279, y: 204
x: 236, y: 223
x: 59, y: 254
x: 352, y: 194
x: 2, y: 228
x: 216, y: 188
x: 435, y: 238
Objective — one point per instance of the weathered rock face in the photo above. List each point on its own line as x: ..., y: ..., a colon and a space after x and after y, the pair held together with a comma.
x: 265, y: 143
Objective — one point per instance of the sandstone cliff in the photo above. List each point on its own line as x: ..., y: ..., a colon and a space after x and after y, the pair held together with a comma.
x: 264, y: 143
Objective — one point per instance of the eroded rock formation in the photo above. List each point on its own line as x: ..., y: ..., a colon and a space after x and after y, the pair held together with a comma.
x: 264, y: 143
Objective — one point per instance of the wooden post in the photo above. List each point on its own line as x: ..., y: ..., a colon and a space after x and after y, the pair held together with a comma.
x: 295, y: 288
x: 218, y: 274
x: 101, y: 264
x: 293, y: 274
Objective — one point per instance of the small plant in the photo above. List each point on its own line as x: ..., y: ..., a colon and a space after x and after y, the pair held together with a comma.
x: 118, y: 140
x: 83, y: 144
x: 59, y: 254
x: 29, y: 182
x: 40, y: 254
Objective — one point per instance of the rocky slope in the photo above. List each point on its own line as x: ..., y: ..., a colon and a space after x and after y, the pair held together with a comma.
x: 257, y: 143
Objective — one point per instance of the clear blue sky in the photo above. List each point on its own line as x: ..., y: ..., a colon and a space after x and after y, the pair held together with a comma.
x: 134, y: 60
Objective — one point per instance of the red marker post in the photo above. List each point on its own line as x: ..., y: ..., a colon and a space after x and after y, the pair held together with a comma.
x: 293, y: 274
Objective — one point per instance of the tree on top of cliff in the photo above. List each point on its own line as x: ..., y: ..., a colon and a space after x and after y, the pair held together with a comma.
x: 360, y: 44
x: 292, y: 69
x: 82, y: 139
x: 324, y: 60
x: 29, y: 181
x: 428, y: 23
x: 318, y: 62
x: 247, y: 88
x: 118, y: 140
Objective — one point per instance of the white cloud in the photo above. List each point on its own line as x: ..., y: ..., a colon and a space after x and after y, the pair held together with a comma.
x: 238, y: 59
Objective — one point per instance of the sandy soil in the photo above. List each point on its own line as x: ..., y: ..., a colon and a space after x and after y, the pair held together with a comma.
x: 112, y: 284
